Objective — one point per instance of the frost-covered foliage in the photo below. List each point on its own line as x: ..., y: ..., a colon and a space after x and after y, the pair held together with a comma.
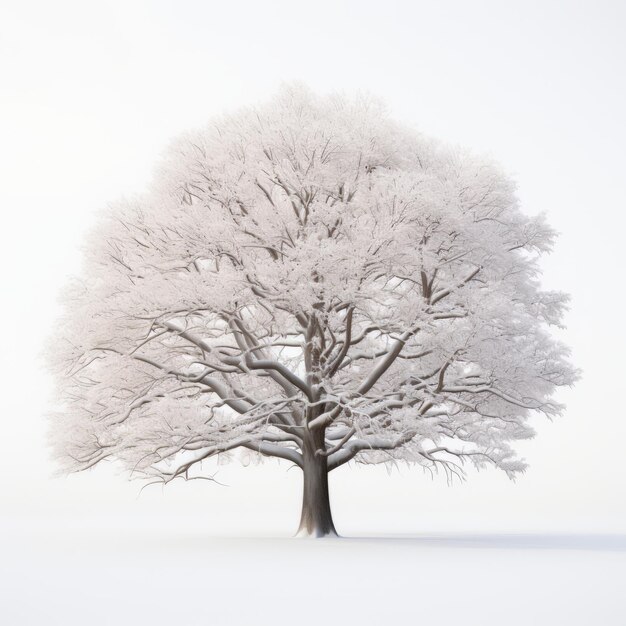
x: 310, y: 279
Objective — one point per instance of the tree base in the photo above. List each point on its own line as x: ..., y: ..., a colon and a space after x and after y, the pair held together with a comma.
x: 305, y: 533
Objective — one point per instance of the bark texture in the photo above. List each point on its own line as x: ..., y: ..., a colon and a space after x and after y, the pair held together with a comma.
x: 316, y: 519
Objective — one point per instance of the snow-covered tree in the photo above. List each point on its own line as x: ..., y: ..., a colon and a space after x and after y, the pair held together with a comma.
x: 310, y: 281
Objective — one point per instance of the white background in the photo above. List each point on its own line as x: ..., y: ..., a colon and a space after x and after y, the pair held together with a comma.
x: 90, y: 95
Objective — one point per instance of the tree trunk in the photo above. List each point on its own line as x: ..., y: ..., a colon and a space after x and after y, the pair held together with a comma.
x: 316, y: 519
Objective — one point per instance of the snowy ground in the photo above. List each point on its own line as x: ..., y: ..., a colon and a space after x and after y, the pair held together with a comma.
x: 99, y: 577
